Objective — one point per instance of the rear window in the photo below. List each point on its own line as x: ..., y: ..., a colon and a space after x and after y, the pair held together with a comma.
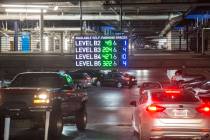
x: 38, y: 80
x: 151, y: 86
x: 174, y: 98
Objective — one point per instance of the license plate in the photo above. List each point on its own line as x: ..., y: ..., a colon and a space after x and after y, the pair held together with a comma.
x: 180, y: 113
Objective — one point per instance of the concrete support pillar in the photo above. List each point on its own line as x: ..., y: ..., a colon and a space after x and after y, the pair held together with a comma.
x: 81, y: 21
x: 180, y: 40
x: 197, y: 41
x: 62, y: 42
x: 16, y: 36
x: 41, y: 25
x: 187, y: 37
x: 203, y: 42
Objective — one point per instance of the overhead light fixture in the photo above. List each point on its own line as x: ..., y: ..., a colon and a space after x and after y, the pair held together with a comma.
x: 17, y: 10
x: 24, y: 6
x: 66, y: 41
x: 46, y: 43
x: 55, y: 8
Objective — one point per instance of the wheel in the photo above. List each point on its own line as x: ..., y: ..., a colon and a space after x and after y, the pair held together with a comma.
x: 98, y: 83
x: 56, y: 124
x: 119, y: 85
x: 142, y: 135
x: 81, y: 119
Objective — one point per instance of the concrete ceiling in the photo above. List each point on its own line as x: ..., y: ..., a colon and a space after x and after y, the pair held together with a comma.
x: 140, y: 17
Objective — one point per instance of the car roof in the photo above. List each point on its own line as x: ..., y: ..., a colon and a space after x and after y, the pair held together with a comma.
x: 39, y: 73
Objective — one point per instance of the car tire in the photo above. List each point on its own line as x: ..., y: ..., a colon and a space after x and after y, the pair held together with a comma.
x: 81, y: 119
x: 98, y: 83
x: 56, y: 124
x: 142, y: 135
x: 119, y: 85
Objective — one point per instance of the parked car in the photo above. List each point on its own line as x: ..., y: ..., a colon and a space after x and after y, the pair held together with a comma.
x: 96, y: 76
x: 202, y: 88
x: 117, y: 79
x: 192, y: 83
x: 30, y: 94
x: 81, y: 80
x: 132, y: 78
x: 180, y: 77
x: 176, y: 114
x: 149, y: 85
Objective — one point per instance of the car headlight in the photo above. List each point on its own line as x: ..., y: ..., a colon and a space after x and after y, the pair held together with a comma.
x: 41, y: 98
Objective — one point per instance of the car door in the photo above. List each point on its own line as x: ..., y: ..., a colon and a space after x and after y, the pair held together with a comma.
x: 107, y: 79
x: 139, y: 108
x: 69, y: 100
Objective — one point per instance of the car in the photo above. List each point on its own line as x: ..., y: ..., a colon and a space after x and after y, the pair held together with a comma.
x: 149, y: 85
x: 132, y: 78
x: 181, y: 77
x: 96, y: 76
x: 170, y: 113
x: 202, y: 88
x: 31, y: 94
x: 82, y: 80
x: 117, y: 79
x: 192, y: 83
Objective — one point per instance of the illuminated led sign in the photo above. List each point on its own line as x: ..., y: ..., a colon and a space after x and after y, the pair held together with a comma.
x: 101, y: 51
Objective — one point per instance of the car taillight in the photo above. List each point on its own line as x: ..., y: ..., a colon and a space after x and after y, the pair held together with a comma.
x: 172, y: 91
x: 126, y: 78
x: 203, y: 108
x: 155, y: 108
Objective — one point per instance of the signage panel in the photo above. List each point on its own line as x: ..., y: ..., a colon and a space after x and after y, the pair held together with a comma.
x: 101, y: 51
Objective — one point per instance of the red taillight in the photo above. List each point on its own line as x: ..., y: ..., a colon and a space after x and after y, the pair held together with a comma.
x: 155, y: 108
x: 172, y: 91
x: 203, y: 108
x: 126, y: 78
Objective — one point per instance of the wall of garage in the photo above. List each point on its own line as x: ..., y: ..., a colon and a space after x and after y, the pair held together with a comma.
x: 52, y: 42
x: 173, y: 41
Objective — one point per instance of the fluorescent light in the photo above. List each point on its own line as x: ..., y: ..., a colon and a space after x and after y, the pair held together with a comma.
x: 16, y: 10
x: 55, y: 8
x: 24, y: 6
x: 66, y: 44
x: 46, y: 43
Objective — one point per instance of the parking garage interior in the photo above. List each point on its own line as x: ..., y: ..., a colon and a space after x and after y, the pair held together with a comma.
x: 163, y: 36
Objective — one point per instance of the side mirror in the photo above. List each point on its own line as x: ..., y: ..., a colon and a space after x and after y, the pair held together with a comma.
x: 133, y: 103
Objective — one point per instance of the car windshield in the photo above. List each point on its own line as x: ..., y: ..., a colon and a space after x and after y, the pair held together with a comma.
x: 151, y: 86
x: 38, y: 80
x: 173, y: 98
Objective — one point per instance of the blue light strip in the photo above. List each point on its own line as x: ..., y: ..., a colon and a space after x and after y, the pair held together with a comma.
x: 198, y: 16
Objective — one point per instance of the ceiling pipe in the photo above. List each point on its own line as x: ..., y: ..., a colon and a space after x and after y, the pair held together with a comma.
x: 173, y: 21
x: 85, y: 17
x: 157, y: 4
x: 170, y: 24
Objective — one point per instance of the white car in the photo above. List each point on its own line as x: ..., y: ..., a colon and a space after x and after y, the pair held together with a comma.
x: 172, y: 113
x: 181, y: 78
